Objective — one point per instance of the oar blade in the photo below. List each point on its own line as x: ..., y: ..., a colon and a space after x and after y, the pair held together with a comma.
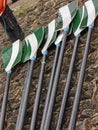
x: 90, y: 13
x: 64, y: 19
x: 77, y: 21
x: 12, y: 55
x: 32, y: 43
x: 49, y: 35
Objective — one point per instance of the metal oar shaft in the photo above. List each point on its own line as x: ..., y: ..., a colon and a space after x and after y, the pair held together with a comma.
x: 50, y: 88
x: 21, y: 115
x: 4, y: 103
x: 79, y: 85
x: 38, y: 95
x: 55, y: 84
x: 67, y: 85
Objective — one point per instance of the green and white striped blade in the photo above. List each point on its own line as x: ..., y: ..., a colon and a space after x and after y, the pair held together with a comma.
x: 49, y: 35
x: 32, y: 43
x: 12, y: 55
x: 66, y: 15
x: 78, y: 20
x: 90, y: 13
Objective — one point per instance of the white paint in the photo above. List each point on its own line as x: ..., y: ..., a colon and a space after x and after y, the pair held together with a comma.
x: 15, y: 50
x: 33, y: 44
x: 66, y: 16
x: 91, y: 12
x: 79, y: 30
x: 59, y: 38
x: 51, y: 31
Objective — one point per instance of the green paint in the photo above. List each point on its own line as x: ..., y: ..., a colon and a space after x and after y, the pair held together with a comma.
x: 77, y: 19
x: 26, y: 52
x: 6, y: 55
x: 73, y: 6
x: 59, y: 22
x: 95, y: 2
x: 19, y: 56
x: 85, y: 18
x: 45, y: 34
x: 39, y: 33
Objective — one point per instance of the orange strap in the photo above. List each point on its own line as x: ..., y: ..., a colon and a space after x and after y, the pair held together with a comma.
x: 2, y: 6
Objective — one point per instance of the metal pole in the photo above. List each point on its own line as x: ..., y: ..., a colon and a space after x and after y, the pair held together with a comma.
x: 4, y: 103
x: 22, y: 110
x: 67, y: 85
x: 80, y: 83
x: 55, y: 83
x: 38, y: 94
x: 50, y: 86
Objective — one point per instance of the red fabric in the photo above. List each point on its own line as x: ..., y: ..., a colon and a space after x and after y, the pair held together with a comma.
x: 2, y: 6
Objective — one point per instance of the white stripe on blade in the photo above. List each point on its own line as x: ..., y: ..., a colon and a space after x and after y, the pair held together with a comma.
x: 91, y: 12
x: 59, y: 39
x: 78, y: 31
x: 15, y: 50
x: 51, y: 30
x: 33, y: 44
x: 66, y: 16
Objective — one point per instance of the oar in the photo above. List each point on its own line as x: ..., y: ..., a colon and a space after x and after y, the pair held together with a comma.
x: 31, y: 46
x: 92, y: 10
x: 80, y: 82
x: 11, y: 56
x: 57, y: 43
x: 50, y: 36
x: 67, y: 18
x: 66, y: 90
x: 77, y: 30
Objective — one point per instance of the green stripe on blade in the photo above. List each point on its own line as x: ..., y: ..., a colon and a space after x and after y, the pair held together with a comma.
x: 26, y: 52
x: 77, y: 19
x: 85, y: 18
x: 95, y: 2
x: 59, y: 22
x: 39, y: 33
x: 6, y: 55
x: 73, y: 7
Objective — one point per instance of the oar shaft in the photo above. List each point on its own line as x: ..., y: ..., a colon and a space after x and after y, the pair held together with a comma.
x: 38, y: 95
x: 23, y: 92
x: 55, y: 84
x: 67, y: 85
x: 21, y: 115
x: 50, y: 87
x: 4, y: 103
x: 79, y: 85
